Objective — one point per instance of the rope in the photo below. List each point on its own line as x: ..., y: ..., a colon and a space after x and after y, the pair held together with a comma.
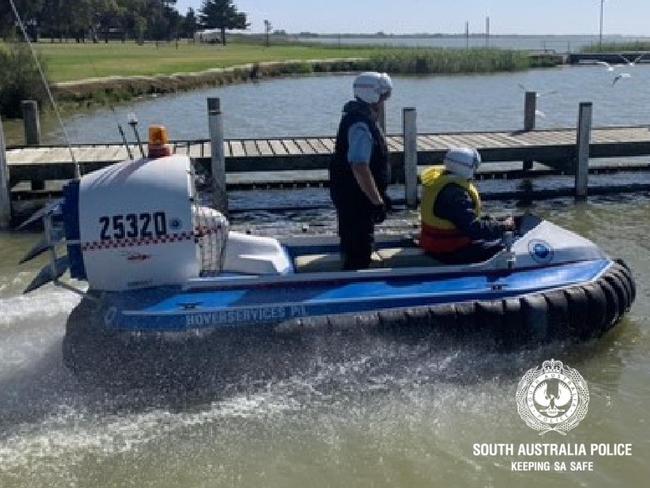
x: 77, y: 172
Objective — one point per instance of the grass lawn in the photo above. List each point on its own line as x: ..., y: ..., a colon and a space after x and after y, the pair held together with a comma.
x: 76, y: 62
x: 72, y: 61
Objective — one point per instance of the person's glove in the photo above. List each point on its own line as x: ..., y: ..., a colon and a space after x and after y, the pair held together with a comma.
x: 508, y: 224
x: 387, y: 202
x: 378, y: 213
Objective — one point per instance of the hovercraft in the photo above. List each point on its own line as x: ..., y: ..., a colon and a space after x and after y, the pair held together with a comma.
x: 157, y: 262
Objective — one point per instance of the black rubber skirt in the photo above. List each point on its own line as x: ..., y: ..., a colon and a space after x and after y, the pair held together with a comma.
x: 578, y: 312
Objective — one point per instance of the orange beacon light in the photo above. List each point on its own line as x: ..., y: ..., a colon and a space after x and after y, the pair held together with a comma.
x: 158, y: 142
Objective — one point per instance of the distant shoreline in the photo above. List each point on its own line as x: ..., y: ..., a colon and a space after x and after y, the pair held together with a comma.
x: 455, y: 35
x: 83, y: 75
x: 123, y: 88
x: 395, y: 61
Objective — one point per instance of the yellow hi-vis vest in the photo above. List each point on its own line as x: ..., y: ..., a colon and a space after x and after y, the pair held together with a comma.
x: 440, y: 235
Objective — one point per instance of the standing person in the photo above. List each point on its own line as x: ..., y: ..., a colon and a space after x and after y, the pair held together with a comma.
x: 453, y: 230
x: 360, y: 171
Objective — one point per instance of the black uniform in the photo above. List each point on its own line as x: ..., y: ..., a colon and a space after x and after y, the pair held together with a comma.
x: 353, y: 208
x: 455, y: 205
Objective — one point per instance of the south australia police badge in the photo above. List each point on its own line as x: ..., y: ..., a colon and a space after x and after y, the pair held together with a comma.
x: 552, y: 398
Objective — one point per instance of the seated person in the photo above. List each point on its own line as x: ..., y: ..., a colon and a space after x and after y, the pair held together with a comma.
x: 453, y: 230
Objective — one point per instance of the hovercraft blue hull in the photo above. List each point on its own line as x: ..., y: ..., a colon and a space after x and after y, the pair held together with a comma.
x: 246, y: 304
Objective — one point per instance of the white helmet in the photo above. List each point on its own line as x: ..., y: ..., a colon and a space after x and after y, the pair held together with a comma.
x: 371, y: 86
x: 462, y: 162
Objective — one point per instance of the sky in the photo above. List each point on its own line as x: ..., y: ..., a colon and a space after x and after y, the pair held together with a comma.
x: 627, y: 17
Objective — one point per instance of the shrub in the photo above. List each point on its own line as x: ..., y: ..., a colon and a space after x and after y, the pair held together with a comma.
x: 19, y: 78
x: 448, y: 61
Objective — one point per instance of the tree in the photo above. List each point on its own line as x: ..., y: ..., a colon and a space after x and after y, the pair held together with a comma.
x: 53, y: 19
x: 29, y: 10
x: 222, y: 14
x: 133, y: 20
x: 145, y: 19
x: 267, y: 30
x: 174, y: 23
x: 190, y: 24
x: 139, y: 28
x: 105, y: 15
x: 163, y: 20
x: 78, y: 17
x: 61, y: 19
x: 19, y: 78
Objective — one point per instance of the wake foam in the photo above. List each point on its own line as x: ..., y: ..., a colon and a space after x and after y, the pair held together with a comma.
x: 40, y: 305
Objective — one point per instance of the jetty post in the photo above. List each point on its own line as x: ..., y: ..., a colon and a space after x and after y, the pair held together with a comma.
x: 530, y: 106
x: 218, y: 157
x: 32, y: 125
x: 5, y: 190
x: 582, y: 150
x: 31, y: 122
x: 409, y: 126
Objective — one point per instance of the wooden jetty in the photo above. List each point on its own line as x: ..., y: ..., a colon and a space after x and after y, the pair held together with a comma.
x: 625, y: 57
x: 554, y: 147
x: 302, y: 161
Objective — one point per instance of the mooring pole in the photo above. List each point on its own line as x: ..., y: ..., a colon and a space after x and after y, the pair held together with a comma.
x: 410, y: 131
x: 31, y: 122
x: 582, y: 150
x: 218, y: 164
x: 5, y: 190
x: 530, y: 106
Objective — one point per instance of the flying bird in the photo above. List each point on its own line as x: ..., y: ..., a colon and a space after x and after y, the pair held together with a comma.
x: 608, y: 66
x: 620, y: 76
x: 542, y: 94
x: 632, y: 63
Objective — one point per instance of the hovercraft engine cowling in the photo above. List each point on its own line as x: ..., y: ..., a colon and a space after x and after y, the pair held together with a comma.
x: 136, y: 224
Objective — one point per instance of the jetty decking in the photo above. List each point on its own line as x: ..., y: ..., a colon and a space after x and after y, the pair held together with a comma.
x: 555, y: 147
x: 625, y: 57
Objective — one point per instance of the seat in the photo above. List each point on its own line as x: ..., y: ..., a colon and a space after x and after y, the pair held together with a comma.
x: 255, y: 255
x: 397, y: 257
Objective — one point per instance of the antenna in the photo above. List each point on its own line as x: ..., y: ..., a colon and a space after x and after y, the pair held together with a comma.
x: 121, y: 131
x: 133, y: 122
x: 77, y: 172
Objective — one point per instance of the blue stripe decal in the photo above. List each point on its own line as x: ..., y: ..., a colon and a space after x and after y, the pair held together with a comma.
x: 71, y: 226
x: 174, y: 310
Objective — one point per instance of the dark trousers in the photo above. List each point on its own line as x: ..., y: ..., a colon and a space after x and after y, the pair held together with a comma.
x: 356, y: 231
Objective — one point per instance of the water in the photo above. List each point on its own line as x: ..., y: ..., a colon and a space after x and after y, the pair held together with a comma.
x: 347, y: 410
x: 307, y: 106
